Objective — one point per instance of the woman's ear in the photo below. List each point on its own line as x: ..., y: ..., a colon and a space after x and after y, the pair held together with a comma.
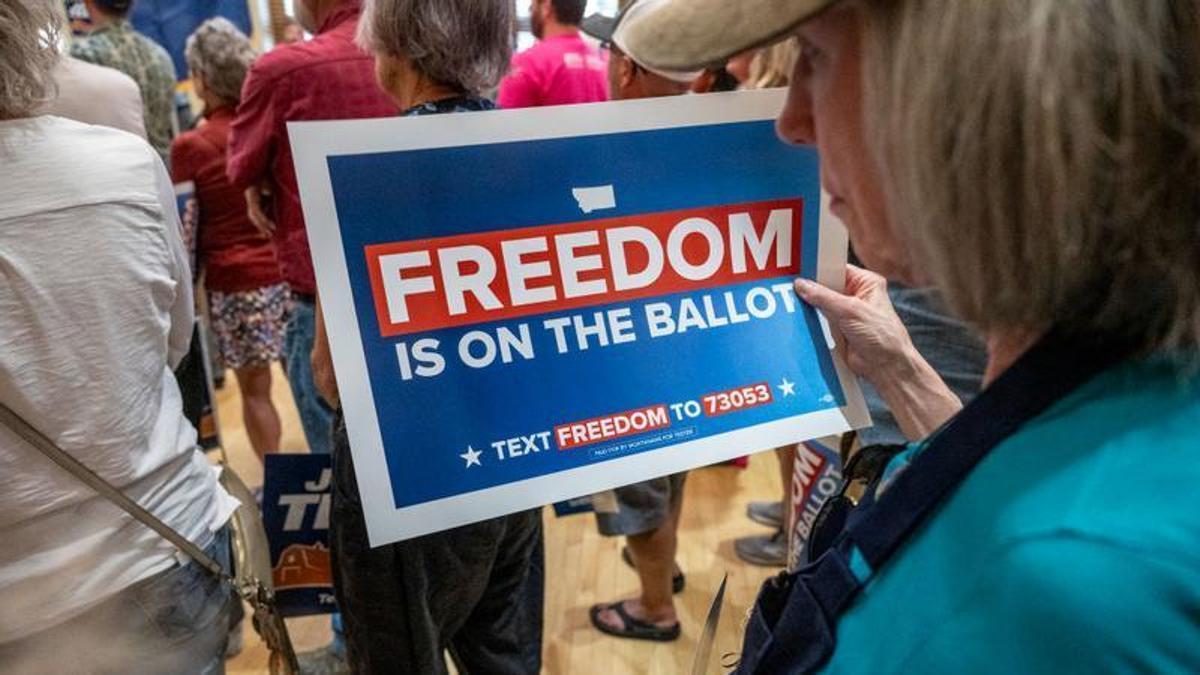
x: 385, y: 72
x: 392, y: 75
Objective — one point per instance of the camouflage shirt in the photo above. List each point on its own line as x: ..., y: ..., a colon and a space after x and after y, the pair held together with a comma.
x: 117, y: 45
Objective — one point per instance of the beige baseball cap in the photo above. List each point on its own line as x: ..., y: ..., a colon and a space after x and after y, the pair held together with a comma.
x: 614, y: 31
x: 690, y: 34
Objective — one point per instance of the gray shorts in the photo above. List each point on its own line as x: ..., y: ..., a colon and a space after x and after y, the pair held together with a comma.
x: 641, y: 507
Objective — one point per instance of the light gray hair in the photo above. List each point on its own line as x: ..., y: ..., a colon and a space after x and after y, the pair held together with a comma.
x: 465, y: 44
x: 1044, y: 155
x: 29, y: 34
x: 221, y: 55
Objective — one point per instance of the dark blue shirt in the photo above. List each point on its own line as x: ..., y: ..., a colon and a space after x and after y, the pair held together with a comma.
x: 463, y: 103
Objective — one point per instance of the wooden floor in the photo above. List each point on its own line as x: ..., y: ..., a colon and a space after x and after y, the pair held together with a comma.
x: 582, y: 567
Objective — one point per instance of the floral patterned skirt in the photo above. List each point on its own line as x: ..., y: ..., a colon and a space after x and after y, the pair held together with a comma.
x: 249, y: 325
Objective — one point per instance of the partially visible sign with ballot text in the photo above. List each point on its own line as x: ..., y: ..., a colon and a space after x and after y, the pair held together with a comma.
x: 529, y: 306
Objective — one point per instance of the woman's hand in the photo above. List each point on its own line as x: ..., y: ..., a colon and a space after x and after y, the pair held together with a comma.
x: 877, y: 347
x: 256, y: 211
x: 874, y: 337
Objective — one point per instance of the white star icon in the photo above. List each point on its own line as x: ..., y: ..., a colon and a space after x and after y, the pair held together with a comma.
x: 472, y: 457
x: 788, y: 388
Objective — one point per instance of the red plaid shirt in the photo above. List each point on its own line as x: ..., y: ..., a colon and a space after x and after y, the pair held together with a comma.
x: 326, y: 78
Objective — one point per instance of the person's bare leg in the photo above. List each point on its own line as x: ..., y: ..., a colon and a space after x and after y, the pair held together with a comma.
x: 676, y: 512
x: 675, y: 515
x: 787, y: 461
x: 654, y: 553
x: 258, y: 410
x: 654, y: 558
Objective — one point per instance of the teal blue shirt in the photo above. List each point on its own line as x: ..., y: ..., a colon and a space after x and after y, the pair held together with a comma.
x: 1073, y: 547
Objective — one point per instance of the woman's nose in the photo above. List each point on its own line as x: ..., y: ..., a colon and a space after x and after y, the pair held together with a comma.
x: 795, y: 124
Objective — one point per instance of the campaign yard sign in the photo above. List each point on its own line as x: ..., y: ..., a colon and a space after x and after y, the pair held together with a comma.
x: 297, y: 499
x: 529, y: 306
x: 816, y: 476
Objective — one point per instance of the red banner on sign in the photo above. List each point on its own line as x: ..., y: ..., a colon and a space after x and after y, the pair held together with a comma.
x: 427, y: 284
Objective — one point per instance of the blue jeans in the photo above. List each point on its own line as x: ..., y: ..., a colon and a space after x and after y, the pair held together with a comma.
x: 176, y: 621
x: 315, y: 416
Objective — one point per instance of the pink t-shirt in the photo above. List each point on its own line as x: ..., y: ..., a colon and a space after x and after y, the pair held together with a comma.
x: 556, y: 71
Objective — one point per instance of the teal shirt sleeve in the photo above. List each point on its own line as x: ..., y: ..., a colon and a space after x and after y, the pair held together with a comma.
x: 1070, y: 604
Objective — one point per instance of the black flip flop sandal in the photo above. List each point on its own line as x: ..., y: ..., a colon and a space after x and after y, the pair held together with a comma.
x: 678, y: 581
x: 635, y: 629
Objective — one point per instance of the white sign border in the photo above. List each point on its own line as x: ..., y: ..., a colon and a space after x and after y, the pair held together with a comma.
x: 314, y: 142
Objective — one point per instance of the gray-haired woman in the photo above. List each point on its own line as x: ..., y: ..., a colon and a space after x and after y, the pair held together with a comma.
x: 247, y: 297
x: 470, y: 589
x: 1040, y: 159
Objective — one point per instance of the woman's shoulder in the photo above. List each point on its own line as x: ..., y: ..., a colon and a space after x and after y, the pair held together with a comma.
x: 1115, y: 461
x: 51, y: 133
x: 1047, y: 601
x: 197, y: 142
x: 1078, y: 537
x: 42, y: 162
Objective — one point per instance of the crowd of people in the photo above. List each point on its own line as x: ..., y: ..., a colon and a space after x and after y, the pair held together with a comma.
x: 1023, y: 311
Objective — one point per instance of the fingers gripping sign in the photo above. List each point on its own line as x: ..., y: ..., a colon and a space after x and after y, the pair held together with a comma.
x: 872, y: 335
x: 878, y: 348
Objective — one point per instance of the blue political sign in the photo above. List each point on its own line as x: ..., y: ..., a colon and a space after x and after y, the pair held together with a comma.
x: 529, y: 306
x: 297, y: 494
x: 188, y: 207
